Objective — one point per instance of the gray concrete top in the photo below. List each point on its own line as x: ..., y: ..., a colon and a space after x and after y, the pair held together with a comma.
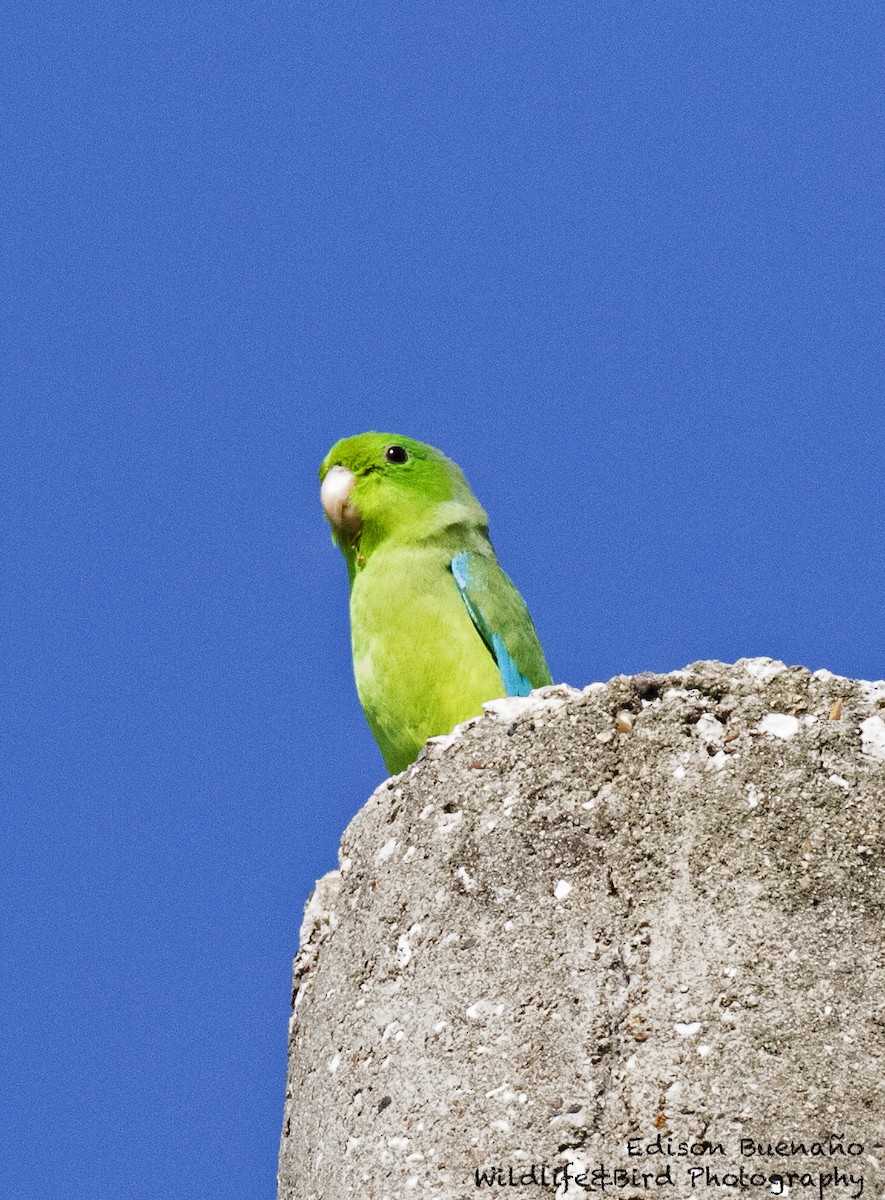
x: 609, y: 930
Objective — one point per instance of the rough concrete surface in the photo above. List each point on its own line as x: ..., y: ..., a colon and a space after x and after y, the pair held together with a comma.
x: 650, y: 910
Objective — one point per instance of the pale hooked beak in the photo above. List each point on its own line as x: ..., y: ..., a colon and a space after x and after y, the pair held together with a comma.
x: 335, y: 499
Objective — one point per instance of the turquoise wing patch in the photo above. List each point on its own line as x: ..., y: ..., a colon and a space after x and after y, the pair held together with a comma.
x: 472, y: 575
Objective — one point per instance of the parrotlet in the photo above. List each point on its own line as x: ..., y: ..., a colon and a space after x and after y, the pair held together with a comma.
x: 436, y: 626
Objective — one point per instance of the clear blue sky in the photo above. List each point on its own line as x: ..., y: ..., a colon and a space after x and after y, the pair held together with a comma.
x: 623, y: 262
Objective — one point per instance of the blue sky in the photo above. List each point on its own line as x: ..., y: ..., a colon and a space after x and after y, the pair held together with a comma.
x: 622, y: 262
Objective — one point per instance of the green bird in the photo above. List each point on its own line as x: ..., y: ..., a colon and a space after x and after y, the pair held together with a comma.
x: 436, y: 626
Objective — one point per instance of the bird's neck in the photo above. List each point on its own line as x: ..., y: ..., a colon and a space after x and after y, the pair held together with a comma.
x: 450, y: 528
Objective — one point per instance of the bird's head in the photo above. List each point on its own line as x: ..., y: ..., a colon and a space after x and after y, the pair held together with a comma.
x: 379, y: 485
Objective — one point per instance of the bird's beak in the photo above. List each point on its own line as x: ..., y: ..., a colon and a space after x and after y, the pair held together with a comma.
x: 335, y: 498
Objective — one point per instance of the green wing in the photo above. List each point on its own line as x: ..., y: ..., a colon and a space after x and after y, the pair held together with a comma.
x: 502, y: 620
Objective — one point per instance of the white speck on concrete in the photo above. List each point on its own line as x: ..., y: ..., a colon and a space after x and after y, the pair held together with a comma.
x: 718, y: 761
x: 763, y: 669
x: 409, y: 854
x: 448, y: 821
x: 398, y: 1143
x: 556, y: 691
x: 872, y: 691
x: 551, y: 698
x: 436, y: 745
x: 703, y: 1050
x: 441, y: 740
x: 482, y: 1009
x: 708, y: 729
x: 386, y: 850
x: 563, y: 889
x: 872, y: 737
x: 403, y: 951
x: 679, y: 773
x: 333, y: 1063
x: 781, y: 725
x: 687, y: 1028
x: 467, y: 879
x: 508, y: 708
x: 839, y: 781
x: 439, y: 1026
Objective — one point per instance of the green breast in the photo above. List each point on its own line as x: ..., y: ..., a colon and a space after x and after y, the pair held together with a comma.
x: 420, y: 665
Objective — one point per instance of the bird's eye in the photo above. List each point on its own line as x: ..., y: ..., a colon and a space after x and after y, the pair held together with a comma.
x: 396, y: 454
